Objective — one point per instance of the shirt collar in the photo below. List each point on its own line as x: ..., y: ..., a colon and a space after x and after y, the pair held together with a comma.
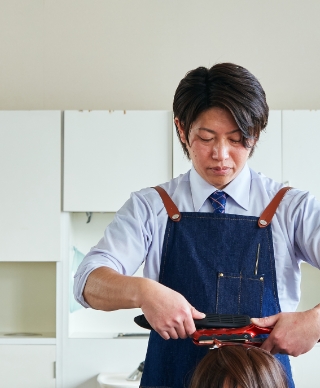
x: 238, y: 189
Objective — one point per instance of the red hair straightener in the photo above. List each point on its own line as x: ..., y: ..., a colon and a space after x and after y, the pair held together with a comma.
x: 216, y: 330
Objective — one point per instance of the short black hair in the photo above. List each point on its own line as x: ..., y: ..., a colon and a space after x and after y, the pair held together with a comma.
x: 227, y: 86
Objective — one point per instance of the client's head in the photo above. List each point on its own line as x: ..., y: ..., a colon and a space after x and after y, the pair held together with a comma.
x: 239, y: 367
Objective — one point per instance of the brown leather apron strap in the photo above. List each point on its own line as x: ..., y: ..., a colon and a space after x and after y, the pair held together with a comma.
x: 263, y: 222
x: 170, y: 206
x: 270, y: 210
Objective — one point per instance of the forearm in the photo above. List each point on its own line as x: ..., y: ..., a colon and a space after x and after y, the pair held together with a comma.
x: 168, y: 312
x: 317, y: 318
x: 108, y: 290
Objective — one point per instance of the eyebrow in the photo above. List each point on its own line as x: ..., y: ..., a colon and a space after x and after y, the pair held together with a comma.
x: 212, y: 131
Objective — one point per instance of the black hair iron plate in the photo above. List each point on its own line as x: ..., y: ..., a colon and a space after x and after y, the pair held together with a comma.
x: 209, y: 322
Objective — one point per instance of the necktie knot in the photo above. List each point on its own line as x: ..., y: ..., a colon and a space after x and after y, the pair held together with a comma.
x: 218, y: 201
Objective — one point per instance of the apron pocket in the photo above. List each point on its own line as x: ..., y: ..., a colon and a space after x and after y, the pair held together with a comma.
x: 239, y: 294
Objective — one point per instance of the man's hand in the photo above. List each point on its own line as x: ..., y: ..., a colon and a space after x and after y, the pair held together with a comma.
x: 168, y: 312
x: 293, y: 333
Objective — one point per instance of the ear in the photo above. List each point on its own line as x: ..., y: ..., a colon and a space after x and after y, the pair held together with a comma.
x: 253, y: 143
x: 180, y: 129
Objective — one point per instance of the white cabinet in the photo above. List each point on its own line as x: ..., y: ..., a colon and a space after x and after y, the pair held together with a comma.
x: 26, y: 366
x: 301, y: 137
x: 30, y: 170
x: 30, y: 195
x: 109, y: 154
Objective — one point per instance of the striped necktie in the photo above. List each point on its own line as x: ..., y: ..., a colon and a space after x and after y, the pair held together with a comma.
x: 218, y: 201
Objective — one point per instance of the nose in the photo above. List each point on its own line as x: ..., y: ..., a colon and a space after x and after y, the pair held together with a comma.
x: 220, y: 151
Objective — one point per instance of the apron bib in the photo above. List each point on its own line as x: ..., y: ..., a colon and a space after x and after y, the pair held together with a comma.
x: 222, y: 264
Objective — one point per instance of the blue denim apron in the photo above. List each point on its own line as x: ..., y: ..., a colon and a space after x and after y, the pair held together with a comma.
x: 223, y: 264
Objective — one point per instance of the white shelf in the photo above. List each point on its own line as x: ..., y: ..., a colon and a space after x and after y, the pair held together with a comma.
x: 28, y: 302
x: 113, y: 336
x: 38, y: 339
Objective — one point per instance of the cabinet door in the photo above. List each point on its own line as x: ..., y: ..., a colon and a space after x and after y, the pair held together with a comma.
x: 108, y: 155
x: 267, y: 156
x: 24, y: 366
x: 30, y: 160
x: 301, y: 137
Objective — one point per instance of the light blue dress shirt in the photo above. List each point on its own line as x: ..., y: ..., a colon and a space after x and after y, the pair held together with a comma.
x: 136, y: 234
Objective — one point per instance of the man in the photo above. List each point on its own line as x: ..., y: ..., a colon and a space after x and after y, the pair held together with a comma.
x: 212, y: 257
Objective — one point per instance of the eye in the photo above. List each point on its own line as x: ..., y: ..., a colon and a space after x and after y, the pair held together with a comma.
x: 236, y: 138
x: 205, y: 139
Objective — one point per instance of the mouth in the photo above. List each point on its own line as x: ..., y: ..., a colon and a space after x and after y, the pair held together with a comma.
x: 224, y: 170
x: 221, y: 168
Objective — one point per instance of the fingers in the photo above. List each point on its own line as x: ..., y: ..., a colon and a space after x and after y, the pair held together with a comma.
x: 292, y: 333
x: 275, y: 344
x: 197, y: 314
x: 169, y: 334
x: 173, y: 333
x: 189, y: 325
x: 266, y: 321
x: 168, y: 312
x: 269, y: 346
x: 182, y: 327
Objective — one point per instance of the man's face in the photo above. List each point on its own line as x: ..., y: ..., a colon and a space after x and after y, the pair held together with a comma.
x: 216, y: 148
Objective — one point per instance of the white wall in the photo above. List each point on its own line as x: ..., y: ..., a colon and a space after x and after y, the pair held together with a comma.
x: 125, y: 54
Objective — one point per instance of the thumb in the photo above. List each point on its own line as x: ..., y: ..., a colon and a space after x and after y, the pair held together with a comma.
x: 197, y: 314
x: 266, y: 321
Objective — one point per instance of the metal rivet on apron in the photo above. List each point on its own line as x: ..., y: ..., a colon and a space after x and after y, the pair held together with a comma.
x: 261, y: 279
x: 220, y: 274
x: 175, y: 216
x: 263, y: 222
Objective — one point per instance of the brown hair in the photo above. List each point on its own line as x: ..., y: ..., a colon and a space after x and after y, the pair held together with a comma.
x: 239, y: 367
x: 227, y: 86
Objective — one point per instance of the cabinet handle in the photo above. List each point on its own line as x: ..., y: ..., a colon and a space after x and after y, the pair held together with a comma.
x: 130, y: 335
x: 89, y: 215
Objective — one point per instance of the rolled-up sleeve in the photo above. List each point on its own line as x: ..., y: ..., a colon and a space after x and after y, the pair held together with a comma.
x: 124, y: 245
x: 305, y: 210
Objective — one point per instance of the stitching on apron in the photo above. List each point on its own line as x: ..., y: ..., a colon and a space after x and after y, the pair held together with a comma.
x: 228, y: 219
x: 238, y: 277
x: 272, y: 272
x: 165, y: 253
x: 261, y: 297
x: 217, y: 297
x: 239, y: 292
